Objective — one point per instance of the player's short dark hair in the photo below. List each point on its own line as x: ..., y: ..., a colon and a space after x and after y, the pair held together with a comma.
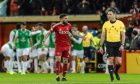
x: 23, y: 23
x: 111, y: 10
x: 18, y: 26
x: 62, y: 15
x: 134, y: 32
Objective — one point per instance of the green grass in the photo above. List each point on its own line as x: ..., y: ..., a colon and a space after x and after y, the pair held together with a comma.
x: 91, y: 78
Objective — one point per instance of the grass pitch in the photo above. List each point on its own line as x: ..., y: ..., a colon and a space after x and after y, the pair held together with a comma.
x: 90, y: 78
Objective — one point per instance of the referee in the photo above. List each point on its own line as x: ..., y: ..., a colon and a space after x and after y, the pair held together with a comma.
x: 113, y: 33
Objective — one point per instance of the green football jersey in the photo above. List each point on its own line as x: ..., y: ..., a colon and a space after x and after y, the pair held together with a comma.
x: 77, y: 46
x: 34, y: 39
x: 17, y: 41
x: 40, y: 38
x: 23, y: 38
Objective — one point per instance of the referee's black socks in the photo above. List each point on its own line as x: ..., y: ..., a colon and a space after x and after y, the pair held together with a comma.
x: 111, y: 71
x: 117, y: 67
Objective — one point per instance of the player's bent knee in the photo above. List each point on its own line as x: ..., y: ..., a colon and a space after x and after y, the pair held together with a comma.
x: 41, y: 57
x: 119, y: 60
x: 44, y: 59
x: 65, y: 60
x: 25, y: 58
x: 58, y: 58
x: 110, y: 59
x: 7, y: 58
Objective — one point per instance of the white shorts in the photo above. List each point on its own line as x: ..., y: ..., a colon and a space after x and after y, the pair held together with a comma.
x: 79, y: 53
x: 41, y: 52
x: 24, y: 51
x: 33, y: 53
x: 51, y: 52
x: 17, y: 52
x: 7, y: 51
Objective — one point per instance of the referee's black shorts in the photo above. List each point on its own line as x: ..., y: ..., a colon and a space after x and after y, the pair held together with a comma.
x: 86, y: 52
x: 112, y: 49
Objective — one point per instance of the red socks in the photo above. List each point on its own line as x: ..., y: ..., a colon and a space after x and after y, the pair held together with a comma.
x: 57, y: 66
x: 64, y: 70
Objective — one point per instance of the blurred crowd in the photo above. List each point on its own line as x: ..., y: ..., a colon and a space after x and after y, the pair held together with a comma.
x: 133, y: 32
x: 56, y: 7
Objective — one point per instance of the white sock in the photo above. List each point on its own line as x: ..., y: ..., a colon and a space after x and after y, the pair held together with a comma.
x: 82, y: 66
x: 7, y: 65
x: 35, y: 65
x: 47, y: 65
x: 11, y: 65
x: 43, y: 66
x: 19, y: 64
x: 29, y: 62
x: 73, y: 65
x: 107, y: 62
x: 24, y: 66
x: 52, y: 65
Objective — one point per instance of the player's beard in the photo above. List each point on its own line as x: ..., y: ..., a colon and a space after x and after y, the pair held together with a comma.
x: 65, y: 22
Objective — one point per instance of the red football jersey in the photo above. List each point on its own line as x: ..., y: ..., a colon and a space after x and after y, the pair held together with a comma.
x: 61, y: 33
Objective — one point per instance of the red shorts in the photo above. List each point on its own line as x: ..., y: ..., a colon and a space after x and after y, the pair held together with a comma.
x: 62, y: 51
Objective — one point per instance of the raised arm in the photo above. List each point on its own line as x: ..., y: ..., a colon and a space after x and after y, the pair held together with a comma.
x: 30, y: 40
x: 76, y: 33
x: 16, y: 36
x: 11, y: 37
x: 79, y: 41
x: 35, y: 32
x: 45, y: 37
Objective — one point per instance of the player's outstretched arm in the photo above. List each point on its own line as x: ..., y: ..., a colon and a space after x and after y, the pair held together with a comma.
x: 45, y: 37
x: 35, y: 32
x: 15, y: 38
x: 15, y: 41
x: 79, y: 41
x: 76, y: 33
x: 11, y: 36
x: 30, y: 41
